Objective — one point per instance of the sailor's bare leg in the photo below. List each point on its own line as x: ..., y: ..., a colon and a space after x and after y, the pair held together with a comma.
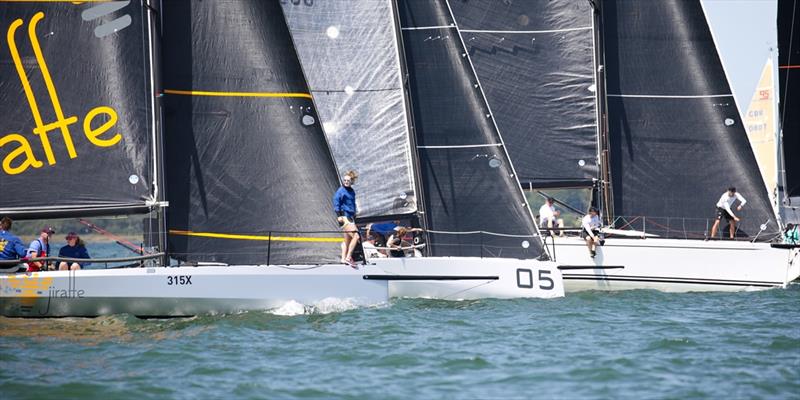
x: 345, y: 245
x: 714, y: 228
x: 63, y: 266
x: 353, y: 233
x: 589, y: 243
x: 733, y: 228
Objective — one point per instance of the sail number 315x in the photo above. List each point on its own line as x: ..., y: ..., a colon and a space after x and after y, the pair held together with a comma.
x: 179, y: 280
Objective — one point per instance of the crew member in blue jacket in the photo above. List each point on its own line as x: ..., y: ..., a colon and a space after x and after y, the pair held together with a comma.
x: 11, y: 247
x: 75, y: 248
x: 344, y: 204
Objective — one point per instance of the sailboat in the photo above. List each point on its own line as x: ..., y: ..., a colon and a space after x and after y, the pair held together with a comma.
x: 645, y: 81
x: 441, y: 167
x: 248, y: 216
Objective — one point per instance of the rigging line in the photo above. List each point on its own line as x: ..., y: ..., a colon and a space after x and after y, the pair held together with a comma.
x: 789, y: 67
x: 235, y: 94
x: 255, y: 237
x: 462, y: 146
x: 542, y: 31
x: 666, y: 96
x: 420, y: 28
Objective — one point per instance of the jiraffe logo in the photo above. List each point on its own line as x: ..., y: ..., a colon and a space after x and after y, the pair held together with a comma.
x: 29, y: 287
x: 97, y: 123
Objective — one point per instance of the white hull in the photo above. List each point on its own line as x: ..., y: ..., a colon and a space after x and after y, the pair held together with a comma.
x: 183, y: 291
x: 465, y: 278
x: 672, y: 265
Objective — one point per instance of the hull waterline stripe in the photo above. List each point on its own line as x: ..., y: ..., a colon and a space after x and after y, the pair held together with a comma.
x: 542, y: 31
x: 255, y: 237
x: 235, y: 94
x: 429, y: 278
x: 659, y: 279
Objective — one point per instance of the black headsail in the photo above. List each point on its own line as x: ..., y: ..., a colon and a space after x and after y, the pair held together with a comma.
x: 467, y: 177
x: 677, y: 141
x: 76, y: 127
x: 249, y: 173
x: 535, y: 62
x: 789, y: 72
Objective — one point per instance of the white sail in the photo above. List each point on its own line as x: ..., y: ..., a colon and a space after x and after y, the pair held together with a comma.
x: 350, y: 57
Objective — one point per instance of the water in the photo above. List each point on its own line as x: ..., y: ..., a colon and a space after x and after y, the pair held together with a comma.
x: 596, y: 344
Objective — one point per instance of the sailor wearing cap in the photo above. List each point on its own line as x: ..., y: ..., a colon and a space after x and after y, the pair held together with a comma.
x: 40, y: 248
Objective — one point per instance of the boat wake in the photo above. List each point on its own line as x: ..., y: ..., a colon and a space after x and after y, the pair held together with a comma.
x: 327, y: 305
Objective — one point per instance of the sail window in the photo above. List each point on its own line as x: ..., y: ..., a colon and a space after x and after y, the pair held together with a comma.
x: 495, y: 162
x: 133, y: 179
x: 729, y: 121
x: 332, y: 32
x: 308, y: 120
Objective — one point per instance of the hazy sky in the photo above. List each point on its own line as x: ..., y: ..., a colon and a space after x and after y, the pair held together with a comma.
x: 746, y: 34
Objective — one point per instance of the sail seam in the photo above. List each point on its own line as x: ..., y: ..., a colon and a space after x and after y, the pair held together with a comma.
x: 523, y: 32
x: 235, y: 94
x: 667, y: 96
x: 461, y: 146
x: 420, y: 28
x: 482, y: 232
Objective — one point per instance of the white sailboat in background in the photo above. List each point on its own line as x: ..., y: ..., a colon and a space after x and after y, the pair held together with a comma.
x: 668, y: 140
x: 119, y: 171
x: 353, y: 58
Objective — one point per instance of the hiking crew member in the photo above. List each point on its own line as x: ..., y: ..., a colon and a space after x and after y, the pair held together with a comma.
x: 591, y: 230
x: 724, y: 210
x: 344, y: 204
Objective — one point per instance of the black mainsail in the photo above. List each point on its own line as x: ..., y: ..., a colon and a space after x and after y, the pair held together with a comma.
x: 77, y: 109
x: 535, y: 63
x: 677, y: 140
x: 467, y: 178
x: 250, y: 176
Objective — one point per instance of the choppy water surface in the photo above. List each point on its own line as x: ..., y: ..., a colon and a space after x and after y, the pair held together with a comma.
x: 594, y: 344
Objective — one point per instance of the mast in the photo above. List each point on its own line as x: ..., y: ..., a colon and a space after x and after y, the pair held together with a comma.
x: 606, y: 198
x: 412, y: 139
x: 153, y: 8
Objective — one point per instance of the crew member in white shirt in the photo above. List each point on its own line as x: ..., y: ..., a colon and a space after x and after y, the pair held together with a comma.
x: 591, y: 230
x: 724, y: 210
x: 548, y: 216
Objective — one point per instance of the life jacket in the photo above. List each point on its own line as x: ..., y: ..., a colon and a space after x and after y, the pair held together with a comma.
x: 32, y: 267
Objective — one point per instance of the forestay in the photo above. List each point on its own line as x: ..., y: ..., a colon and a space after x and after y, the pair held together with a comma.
x: 76, y: 125
x: 349, y: 53
x: 467, y: 177
x: 677, y: 140
x: 535, y: 63
x: 250, y: 174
